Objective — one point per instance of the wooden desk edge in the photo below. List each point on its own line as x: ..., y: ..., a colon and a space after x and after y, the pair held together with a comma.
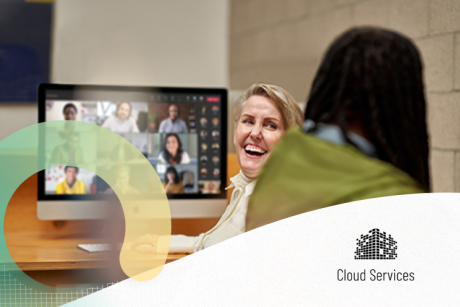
x: 76, y: 265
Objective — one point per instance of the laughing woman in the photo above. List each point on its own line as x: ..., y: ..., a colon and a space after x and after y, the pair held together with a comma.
x: 263, y: 115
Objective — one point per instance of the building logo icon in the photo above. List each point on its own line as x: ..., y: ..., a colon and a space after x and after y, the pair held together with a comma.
x: 376, y: 245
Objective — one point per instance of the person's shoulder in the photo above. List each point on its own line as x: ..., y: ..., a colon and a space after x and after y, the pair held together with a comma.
x: 132, y: 124
x: 163, y: 123
x: 58, y: 148
x: 185, y: 158
x: 61, y: 146
x: 183, y: 126
x: 108, y: 122
x: 110, y: 119
x: 59, y: 187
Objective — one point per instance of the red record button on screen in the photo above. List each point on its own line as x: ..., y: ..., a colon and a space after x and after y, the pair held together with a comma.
x: 212, y: 99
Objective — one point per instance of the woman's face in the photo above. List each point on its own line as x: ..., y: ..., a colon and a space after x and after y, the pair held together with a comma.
x: 172, y: 145
x: 171, y: 177
x: 259, y: 129
x: 210, y: 187
x: 70, y: 113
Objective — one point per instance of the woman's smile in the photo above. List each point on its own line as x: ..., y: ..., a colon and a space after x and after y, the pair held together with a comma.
x: 254, y: 151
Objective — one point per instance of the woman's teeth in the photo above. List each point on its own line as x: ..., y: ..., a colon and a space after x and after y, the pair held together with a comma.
x: 254, y: 150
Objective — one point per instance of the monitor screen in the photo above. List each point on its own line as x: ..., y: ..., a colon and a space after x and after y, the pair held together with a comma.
x: 181, y: 131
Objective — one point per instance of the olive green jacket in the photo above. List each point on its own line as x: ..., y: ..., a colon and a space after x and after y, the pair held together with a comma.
x: 305, y: 173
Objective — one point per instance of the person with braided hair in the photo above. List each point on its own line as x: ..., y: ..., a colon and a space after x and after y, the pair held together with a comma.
x: 365, y: 133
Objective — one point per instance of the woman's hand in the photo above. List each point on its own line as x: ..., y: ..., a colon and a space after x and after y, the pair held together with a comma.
x: 167, y: 187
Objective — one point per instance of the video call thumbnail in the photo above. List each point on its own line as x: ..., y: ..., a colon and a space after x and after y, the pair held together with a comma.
x: 172, y: 118
x: 172, y: 148
x: 209, y: 186
x: 178, y: 179
x: 68, y: 180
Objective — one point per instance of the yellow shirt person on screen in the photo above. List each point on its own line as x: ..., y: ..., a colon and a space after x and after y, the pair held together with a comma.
x: 71, y: 185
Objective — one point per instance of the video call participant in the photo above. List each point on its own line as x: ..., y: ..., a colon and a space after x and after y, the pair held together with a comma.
x: 173, y: 124
x: 70, y: 152
x: 189, y: 182
x: 211, y: 187
x: 122, y: 122
x: 70, y: 111
x: 71, y: 185
x: 172, y: 183
x: 172, y: 152
x: 262, y: 116
x: 122, y: 152
x: 122, y: 184
x: 365, y: 134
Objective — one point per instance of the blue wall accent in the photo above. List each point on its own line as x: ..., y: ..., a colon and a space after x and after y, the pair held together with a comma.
x: 25, y: 38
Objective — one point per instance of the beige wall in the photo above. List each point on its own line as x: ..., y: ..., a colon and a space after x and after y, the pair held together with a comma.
x: 141, y: 42
x: 282, y: 41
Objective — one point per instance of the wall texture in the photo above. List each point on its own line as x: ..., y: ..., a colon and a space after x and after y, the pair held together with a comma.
x: 282, y: 42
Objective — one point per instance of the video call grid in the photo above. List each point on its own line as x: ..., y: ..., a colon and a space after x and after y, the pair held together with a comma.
x: 209, y: 146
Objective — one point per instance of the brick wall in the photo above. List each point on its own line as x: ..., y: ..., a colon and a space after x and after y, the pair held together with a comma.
x: 282, y: 41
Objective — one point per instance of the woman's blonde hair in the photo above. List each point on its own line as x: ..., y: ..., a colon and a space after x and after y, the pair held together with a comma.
x: 290, y: 110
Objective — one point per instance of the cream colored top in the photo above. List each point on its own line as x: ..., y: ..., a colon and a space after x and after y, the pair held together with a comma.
x: 232, y: 222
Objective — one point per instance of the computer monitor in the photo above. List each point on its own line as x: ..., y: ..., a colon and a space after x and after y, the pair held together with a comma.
x: 157, y: 121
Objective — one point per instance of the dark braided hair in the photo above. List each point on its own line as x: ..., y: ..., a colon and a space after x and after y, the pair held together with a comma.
x: 373, y: 77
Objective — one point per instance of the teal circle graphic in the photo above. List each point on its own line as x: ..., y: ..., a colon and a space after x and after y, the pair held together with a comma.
x: 94, y: 145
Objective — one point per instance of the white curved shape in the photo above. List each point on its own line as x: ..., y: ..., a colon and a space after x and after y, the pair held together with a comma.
x: 295, y: 261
